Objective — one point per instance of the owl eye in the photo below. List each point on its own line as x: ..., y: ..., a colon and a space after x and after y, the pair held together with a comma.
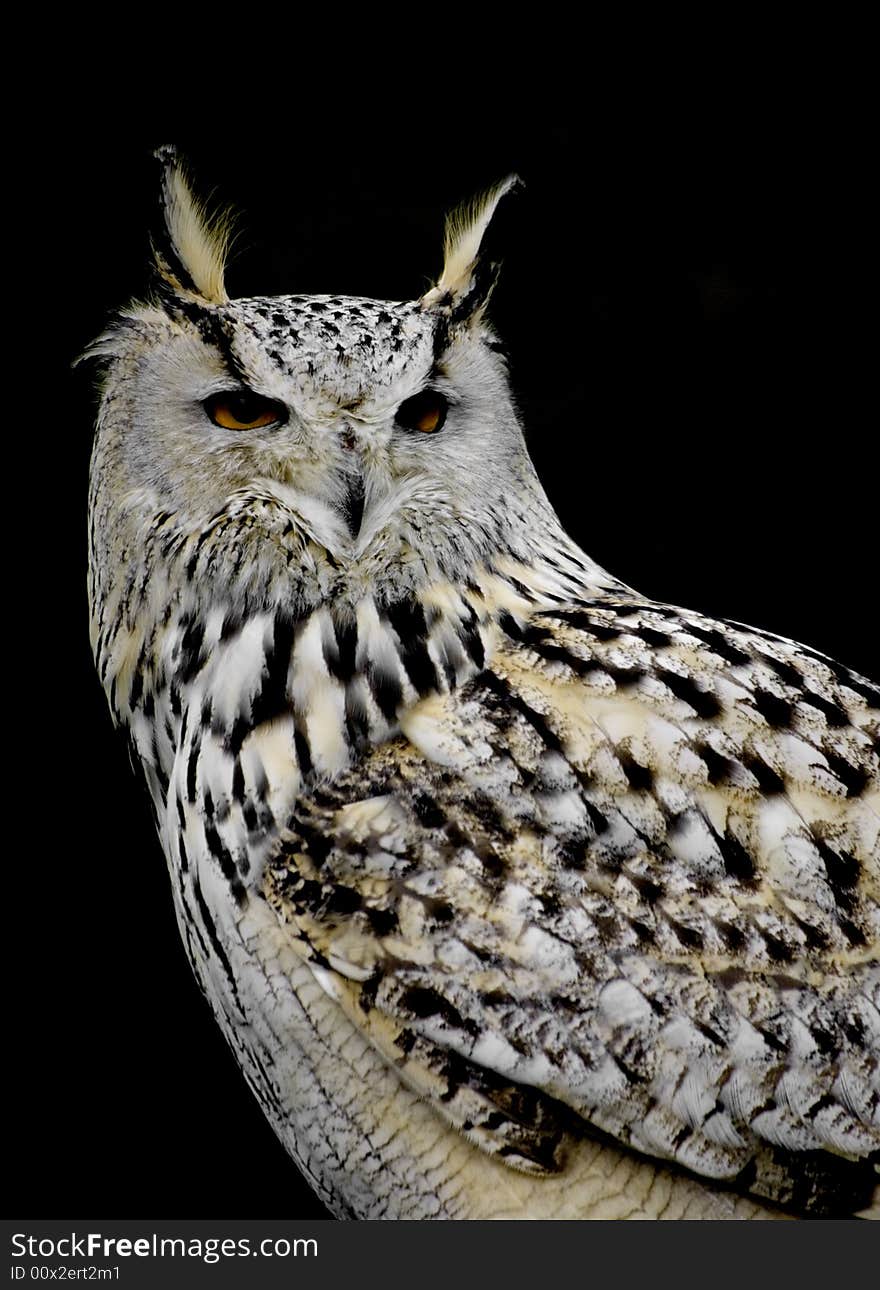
x: 244, y: 410
x: 425, y: 412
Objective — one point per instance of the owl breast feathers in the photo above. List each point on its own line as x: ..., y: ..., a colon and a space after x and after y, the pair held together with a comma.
x: 500, y: 877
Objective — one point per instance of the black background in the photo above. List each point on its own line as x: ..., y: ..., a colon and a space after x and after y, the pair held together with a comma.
x: 683, y: 301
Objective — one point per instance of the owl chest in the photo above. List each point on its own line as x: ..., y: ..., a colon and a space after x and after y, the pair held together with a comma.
x: 234, y: 716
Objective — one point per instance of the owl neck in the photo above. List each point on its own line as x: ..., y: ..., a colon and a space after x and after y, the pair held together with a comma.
x: 285, y: 637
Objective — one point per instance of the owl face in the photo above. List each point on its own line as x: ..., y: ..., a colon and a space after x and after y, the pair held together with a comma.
x: 311, y: 447
x: 349, y: 412
x: 344, y: 441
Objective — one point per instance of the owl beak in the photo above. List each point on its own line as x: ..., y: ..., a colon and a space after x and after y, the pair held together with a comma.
x: 354, y: 504
x: 353, y: 501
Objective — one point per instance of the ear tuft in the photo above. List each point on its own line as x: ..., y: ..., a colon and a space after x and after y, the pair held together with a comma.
x: 460, y: 283
x: 191, y: 255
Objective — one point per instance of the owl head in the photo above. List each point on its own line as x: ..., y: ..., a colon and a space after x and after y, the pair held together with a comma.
x: 354, y: 439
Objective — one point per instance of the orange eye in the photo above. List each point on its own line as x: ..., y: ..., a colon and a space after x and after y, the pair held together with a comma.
x: 244, y: 410
x: 425, y: 412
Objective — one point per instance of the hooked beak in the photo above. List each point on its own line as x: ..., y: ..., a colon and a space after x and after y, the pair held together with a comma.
x: 354, y: 504
x: 353, y: 499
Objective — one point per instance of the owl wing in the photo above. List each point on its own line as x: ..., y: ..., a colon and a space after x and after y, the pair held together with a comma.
x: 626, y: 880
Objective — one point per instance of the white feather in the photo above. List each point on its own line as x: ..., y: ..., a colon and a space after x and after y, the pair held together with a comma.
x: 201, y: 240
x: 465, y: 228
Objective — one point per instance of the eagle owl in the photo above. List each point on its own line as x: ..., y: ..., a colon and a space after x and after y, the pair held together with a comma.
x: 515, y: 893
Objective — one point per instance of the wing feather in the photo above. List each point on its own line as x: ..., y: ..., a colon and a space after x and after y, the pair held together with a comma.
x: 627, y: 877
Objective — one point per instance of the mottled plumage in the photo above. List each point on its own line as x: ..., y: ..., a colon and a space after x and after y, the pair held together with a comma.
x: 489, y: 866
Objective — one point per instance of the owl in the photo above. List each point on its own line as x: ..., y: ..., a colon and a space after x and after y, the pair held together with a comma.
x: 515, y: 893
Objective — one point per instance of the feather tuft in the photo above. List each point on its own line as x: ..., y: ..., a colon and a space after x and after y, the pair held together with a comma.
x: 465, y: 229
x: 194, y: 260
